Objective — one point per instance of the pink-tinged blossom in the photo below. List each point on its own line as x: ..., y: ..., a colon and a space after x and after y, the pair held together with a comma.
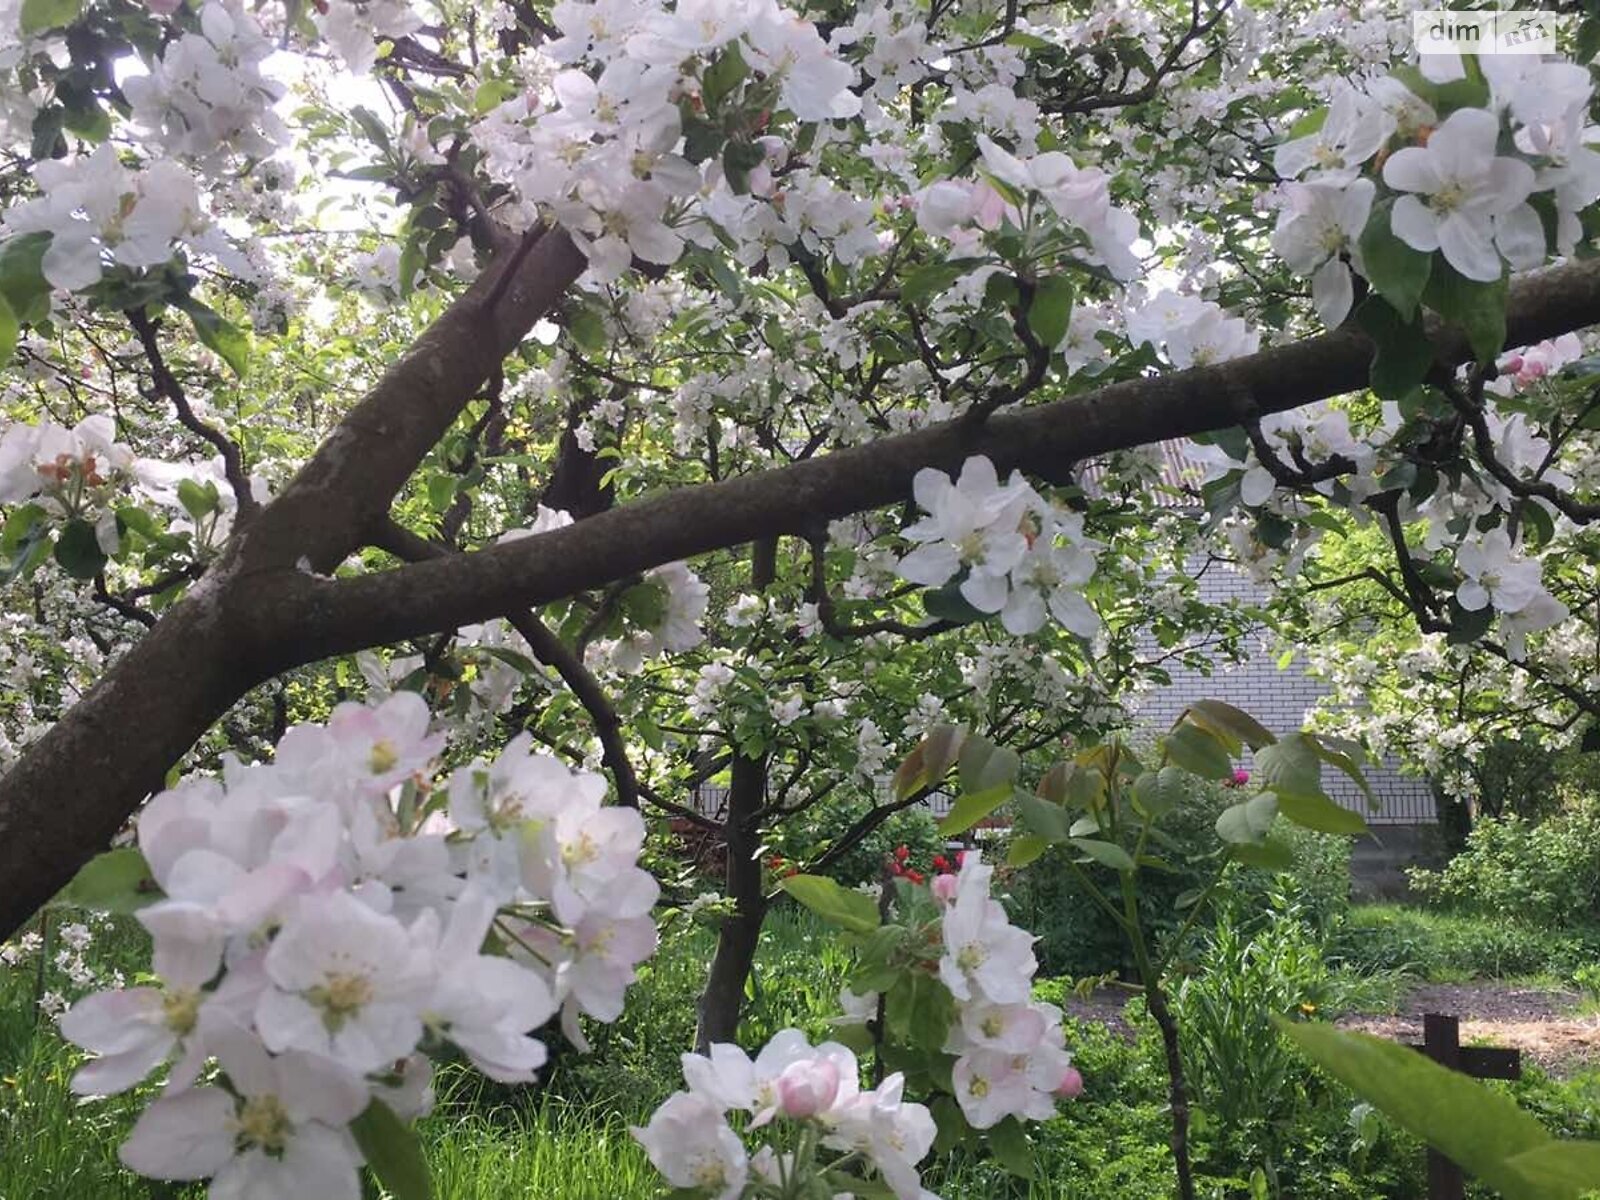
x: 984, y: 954
x: 891, y: 1132
x: 485, y: 1004
x: 347, y: 983
x: 282, y: 1131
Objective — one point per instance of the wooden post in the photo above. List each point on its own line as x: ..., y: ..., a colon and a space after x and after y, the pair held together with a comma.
x: 1441, y: 1041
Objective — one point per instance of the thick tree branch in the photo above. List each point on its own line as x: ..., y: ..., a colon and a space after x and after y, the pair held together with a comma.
x: 333, y: 617
x: 65, y: 799
x: 258, y: 612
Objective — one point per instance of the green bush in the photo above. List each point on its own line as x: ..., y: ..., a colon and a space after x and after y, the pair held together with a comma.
x: 1074, y: 936
x: 1547, y: 874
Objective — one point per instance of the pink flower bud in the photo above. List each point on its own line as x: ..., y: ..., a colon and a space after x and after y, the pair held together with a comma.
x: 944, y: 888
x: 1071, y: 1085
x: 808, y: 1087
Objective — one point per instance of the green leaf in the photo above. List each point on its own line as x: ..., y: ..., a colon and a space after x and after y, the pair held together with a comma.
x: 199, y: 500
x: 875, y: 969
x: 1477, y: 309
x: 1269, y: 855
x: 393, y: 1151
x: 1009, y: 1144
x: 375, y: 129
x: 1398, y: 272
x: 231, y: 343
x: 1587, y: 42
x: 1198, y: 752
x: 645, y: 604
x: 1290, y: 766
x: 1025, y: 848
x: 1107, y: 854
x: 118, y: 881
x: 492, y: 93
x: 1051, y: 310
x: 1403, y: 353
x: 1559, y: 1168
x: 10, y: 327
x: 723, y: 76
x: 78, y: 550
x: 1046, y: 820
x: 39, y: 15
x: 948, y: 604
x: 1480, y: 1130
x: 929, y: 761
x: 1215, y: 714
x: 927, y: 281
x: 982, y: 764
x: 972, y: 807
x: 1343, y: 756
x: 588, y: 329
x: 1249, y: 820
x: 1158, y: 792
x: 951, y: 1123
x: 1468, y: 625
x: 22, y: 280
x: 833, y: 902
x: 1321, y: 814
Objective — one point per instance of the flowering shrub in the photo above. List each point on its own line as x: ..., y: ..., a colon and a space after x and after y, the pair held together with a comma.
x: 323, y: 923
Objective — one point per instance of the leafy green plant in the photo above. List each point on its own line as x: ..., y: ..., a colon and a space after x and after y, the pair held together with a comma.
x: 1241, y: 1069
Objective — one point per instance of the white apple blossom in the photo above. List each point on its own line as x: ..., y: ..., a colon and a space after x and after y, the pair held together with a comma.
x: 1496, y: 575
x: 1351, y: 133
x: 1318, y: 225
x: 693, y: 1147
x: 974, y: 524
x: 1475, y: 208
x: 280, y: 1131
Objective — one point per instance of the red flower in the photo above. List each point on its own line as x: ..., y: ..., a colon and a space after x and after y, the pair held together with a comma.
x: 901, y: 853
x: 941, y: 863
x: 914, y: 876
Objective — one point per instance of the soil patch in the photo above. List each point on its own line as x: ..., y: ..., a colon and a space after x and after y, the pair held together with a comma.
x: 1539, y: 1023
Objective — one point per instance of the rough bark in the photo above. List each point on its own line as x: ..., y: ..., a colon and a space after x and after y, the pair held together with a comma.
x: 256, y: 614
x: 63, y: 801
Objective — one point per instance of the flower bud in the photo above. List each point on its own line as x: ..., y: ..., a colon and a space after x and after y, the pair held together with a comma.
x: 808, y: 1087
x: 944, y: 888
x: 1071, y: 1085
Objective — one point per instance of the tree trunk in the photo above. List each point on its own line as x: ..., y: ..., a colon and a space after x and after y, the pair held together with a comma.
x: 723, y: 999
x: 721, y: 1002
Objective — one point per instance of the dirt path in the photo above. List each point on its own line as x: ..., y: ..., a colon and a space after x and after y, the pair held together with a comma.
x: 1539, y: 1023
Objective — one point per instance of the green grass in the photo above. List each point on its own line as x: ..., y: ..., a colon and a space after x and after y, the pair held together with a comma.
x: 549, y: 1151
x: 570, y: 1140
x: 1452, y: 948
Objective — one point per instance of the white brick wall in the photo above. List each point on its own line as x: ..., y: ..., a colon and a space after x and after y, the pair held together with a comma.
x: 1280, y: 699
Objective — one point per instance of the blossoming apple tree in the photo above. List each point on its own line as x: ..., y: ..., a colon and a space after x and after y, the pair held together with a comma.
x: 699, y: 387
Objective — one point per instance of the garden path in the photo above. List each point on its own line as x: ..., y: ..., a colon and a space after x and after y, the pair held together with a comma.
x: 1539, y: 1022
